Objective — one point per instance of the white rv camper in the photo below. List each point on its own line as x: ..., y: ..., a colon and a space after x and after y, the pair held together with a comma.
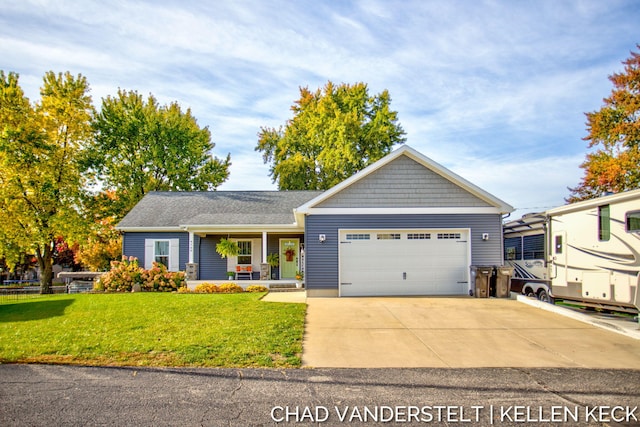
x: 586, y: 252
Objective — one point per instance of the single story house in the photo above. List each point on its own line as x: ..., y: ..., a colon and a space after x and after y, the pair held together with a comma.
x: 405, y: 225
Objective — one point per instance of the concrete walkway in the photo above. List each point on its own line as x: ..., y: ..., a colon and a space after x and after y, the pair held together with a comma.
x: 289, y: 296
x: 455, y: 333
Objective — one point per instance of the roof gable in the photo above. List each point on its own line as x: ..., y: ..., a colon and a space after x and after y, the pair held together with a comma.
x: 406, y: 179
x: 402, y: 182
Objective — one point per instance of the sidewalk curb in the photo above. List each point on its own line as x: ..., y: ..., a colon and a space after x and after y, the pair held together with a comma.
x: 629, y: 329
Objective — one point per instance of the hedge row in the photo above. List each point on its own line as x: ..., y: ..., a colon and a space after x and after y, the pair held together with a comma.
x: 227, y: 288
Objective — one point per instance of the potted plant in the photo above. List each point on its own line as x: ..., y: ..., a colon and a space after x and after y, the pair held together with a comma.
x: 231, y: 275
x: 227, y: 248
x: 299, y: 277
x: 273, y: 259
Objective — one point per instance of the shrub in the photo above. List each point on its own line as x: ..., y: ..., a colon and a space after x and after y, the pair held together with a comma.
x: 230, y: 288
x: 158, y: 279
x: 210, y: 288
x: 122, y: 276
x: 206, y: 288
x: 256, y: 288
x: 98, y: 286
x: 125, y: 274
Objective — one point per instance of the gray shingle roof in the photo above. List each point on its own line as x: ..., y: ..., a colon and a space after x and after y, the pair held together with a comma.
x: 173, y: 209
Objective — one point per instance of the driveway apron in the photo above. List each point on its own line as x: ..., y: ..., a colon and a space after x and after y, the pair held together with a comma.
x: 455, y: 333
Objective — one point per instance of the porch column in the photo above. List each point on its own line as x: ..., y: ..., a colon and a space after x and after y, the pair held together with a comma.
x: 264, y: 247
x: 264, y: 267
x: 191, y: 267
x: 191, y: 244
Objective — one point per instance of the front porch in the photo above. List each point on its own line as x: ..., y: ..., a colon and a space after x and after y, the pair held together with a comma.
x: 254, y: 264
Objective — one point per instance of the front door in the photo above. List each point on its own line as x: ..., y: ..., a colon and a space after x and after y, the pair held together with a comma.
x: 289, y: 258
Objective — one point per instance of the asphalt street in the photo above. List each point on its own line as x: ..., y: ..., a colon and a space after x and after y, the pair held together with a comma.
x: 41, y: 395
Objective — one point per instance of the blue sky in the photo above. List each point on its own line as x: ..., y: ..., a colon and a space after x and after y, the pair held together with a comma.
x: 494, y: 90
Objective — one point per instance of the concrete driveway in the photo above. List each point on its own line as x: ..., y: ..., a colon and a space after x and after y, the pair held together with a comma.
x: 455, y: 333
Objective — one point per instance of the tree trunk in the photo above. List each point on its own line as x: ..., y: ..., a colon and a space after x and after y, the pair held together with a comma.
x: 45, y: 261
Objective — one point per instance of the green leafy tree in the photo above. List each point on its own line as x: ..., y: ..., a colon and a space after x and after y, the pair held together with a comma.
x: 141, y: 146
x: 614, y: 131
x: 40, y: 178
x: 334, y: 133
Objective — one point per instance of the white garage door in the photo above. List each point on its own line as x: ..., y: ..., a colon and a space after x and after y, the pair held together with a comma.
x: 404, y: 262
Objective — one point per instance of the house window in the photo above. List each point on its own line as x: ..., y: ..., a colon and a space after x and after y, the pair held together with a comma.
x: 633, y: 222
x: 161, y: 252
x: 244, y: 255
x: 604, y: 223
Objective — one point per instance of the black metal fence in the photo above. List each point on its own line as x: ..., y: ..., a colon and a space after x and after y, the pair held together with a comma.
x: 14, y: 293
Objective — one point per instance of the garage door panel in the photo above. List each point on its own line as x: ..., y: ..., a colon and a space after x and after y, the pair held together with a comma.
x: 404, y: 266
x: 421, y: 287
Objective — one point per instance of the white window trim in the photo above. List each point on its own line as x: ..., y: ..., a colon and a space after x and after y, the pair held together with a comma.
x: 251, y: 243
x: 256, y: 254
x: 174, y: 253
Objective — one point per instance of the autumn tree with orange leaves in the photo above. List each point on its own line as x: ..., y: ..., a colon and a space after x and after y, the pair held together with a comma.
x: 103, y: 243
x: 614, y: 131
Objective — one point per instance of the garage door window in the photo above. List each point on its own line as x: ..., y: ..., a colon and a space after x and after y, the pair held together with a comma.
x: 418, y: 236
x: 358, y: 236
x: 388, y: 236
x: 448, y: 235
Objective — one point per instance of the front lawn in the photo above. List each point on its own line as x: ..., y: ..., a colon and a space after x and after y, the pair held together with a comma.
x: 152, y: 329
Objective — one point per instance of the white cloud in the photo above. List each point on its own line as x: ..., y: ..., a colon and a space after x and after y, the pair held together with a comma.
x: 248, y: 172
x: 492, y: 86
x: 529, y: 185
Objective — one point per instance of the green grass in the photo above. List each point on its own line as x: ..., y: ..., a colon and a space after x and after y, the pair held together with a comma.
x: 152, y: 329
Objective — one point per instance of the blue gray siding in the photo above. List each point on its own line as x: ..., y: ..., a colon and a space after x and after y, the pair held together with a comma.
x: 403, y: 183
x: 322, y: 258
x: 133, y: 245
x: 211, y: 266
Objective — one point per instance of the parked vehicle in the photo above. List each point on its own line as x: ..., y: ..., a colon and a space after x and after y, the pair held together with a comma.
x: 586, y: 252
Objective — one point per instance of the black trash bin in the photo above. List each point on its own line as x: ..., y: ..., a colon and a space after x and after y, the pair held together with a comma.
x: 503, y: 281
x: 481, y: 276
